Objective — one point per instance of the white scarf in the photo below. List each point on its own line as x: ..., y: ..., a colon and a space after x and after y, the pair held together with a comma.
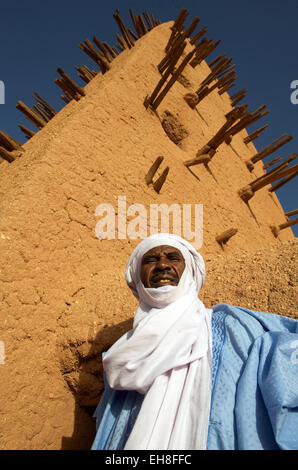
x: 167, y: 355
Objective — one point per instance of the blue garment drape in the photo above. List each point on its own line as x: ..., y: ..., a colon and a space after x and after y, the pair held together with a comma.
x: 254, y: 402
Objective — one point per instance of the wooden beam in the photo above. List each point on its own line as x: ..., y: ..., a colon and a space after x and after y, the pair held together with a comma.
x: 123, y: 30
x: 40, y: 111
x: 276, y: 229
x: 70, y: 82
x: 174, y: 60
x: 38, y: 98
x: 247, y: 192
x: 9, y: 142
x: 31, y: 115
x: 153, y: 169
x: 8, y: 156
x: 272, y: 162
x: 225, y: 236
x: 65, y: 99
x: 198, y: 35
x: 177, y: 27
x: 160, y: 181
x: 148, y: 21
x: 205, y: 159
x: 172, y: 80
x: 276, y: 144
x: 290, y: 213
x: 214, y: 61
x: 108, y: 56
x: 26, y: 131
x: 254, y: 135
x: 69, y: 92
x: 134, y: 22
x: 109, y: 49
x: 283, y: 182
x: 172, y: 52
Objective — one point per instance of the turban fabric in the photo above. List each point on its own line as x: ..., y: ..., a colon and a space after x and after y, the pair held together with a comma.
x: 167, y: 355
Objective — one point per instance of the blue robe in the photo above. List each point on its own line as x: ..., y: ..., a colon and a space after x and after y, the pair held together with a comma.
x: 254, y: 402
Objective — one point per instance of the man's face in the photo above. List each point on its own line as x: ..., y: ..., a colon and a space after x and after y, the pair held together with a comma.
x: 162, y: 266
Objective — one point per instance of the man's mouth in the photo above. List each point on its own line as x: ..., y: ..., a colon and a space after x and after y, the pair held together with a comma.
x: 163, y: 279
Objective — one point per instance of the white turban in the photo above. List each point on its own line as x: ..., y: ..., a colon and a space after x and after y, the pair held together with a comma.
x: 167, y: 355
x: 193, y: 277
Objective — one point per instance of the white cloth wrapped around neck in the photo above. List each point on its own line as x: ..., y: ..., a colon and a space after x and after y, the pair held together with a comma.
x: 167, y: 355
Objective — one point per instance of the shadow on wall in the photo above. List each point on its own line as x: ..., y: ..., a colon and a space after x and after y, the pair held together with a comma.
x: 89, y: 388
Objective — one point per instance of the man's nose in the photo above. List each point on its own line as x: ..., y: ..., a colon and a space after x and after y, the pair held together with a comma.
x: 163, y: 263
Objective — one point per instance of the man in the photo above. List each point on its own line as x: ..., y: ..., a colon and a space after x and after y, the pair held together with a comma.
x: 186, y: 377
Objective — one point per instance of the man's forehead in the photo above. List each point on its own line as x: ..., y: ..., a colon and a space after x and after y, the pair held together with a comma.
x: 162, y: 249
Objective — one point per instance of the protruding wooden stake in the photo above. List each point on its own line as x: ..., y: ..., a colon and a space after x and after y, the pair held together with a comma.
x: 148, y: 20
x: 214, y: 61
x: 28, y: 133
x: 207, y: 90
x: 248, y: 119
x: 41, y: 112
x: 86, y: 74
x: 70, y: 82
x: 226, y: 88
x: 281, y: 183
x: 177, y: 27
x: 247, y: 192
x: 173, y: 79
x: 254, y: 135
x: 220, y: 67
x: 222, y: 133
x: 65, y: 99
x: 95, y: 55
x: 50, y: 111
x: 37, y: 120
x: 272, y: 162
x: 172, y: 52
x: 276, y: 144
x: 69, y: 92
x: 277, y: 228
x: 153, y: 169
x: 142, y: 25
x: 160, y: 181
x: 290, y: 213
x: 133, y: 19
x: 102, y: 49
x: 9, y: 142
x: 191, y: 99
x: 225, y: 236
x: 205, y: 158
x: 9, y: 156
x: 123, y: 30
x: 204, y: 49
x: 109, y: 49
x: 198, y: 35
x: 149, y: 100
x: 237, y: 97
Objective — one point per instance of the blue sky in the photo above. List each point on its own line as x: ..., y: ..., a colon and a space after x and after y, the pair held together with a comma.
x: 261, y: 35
